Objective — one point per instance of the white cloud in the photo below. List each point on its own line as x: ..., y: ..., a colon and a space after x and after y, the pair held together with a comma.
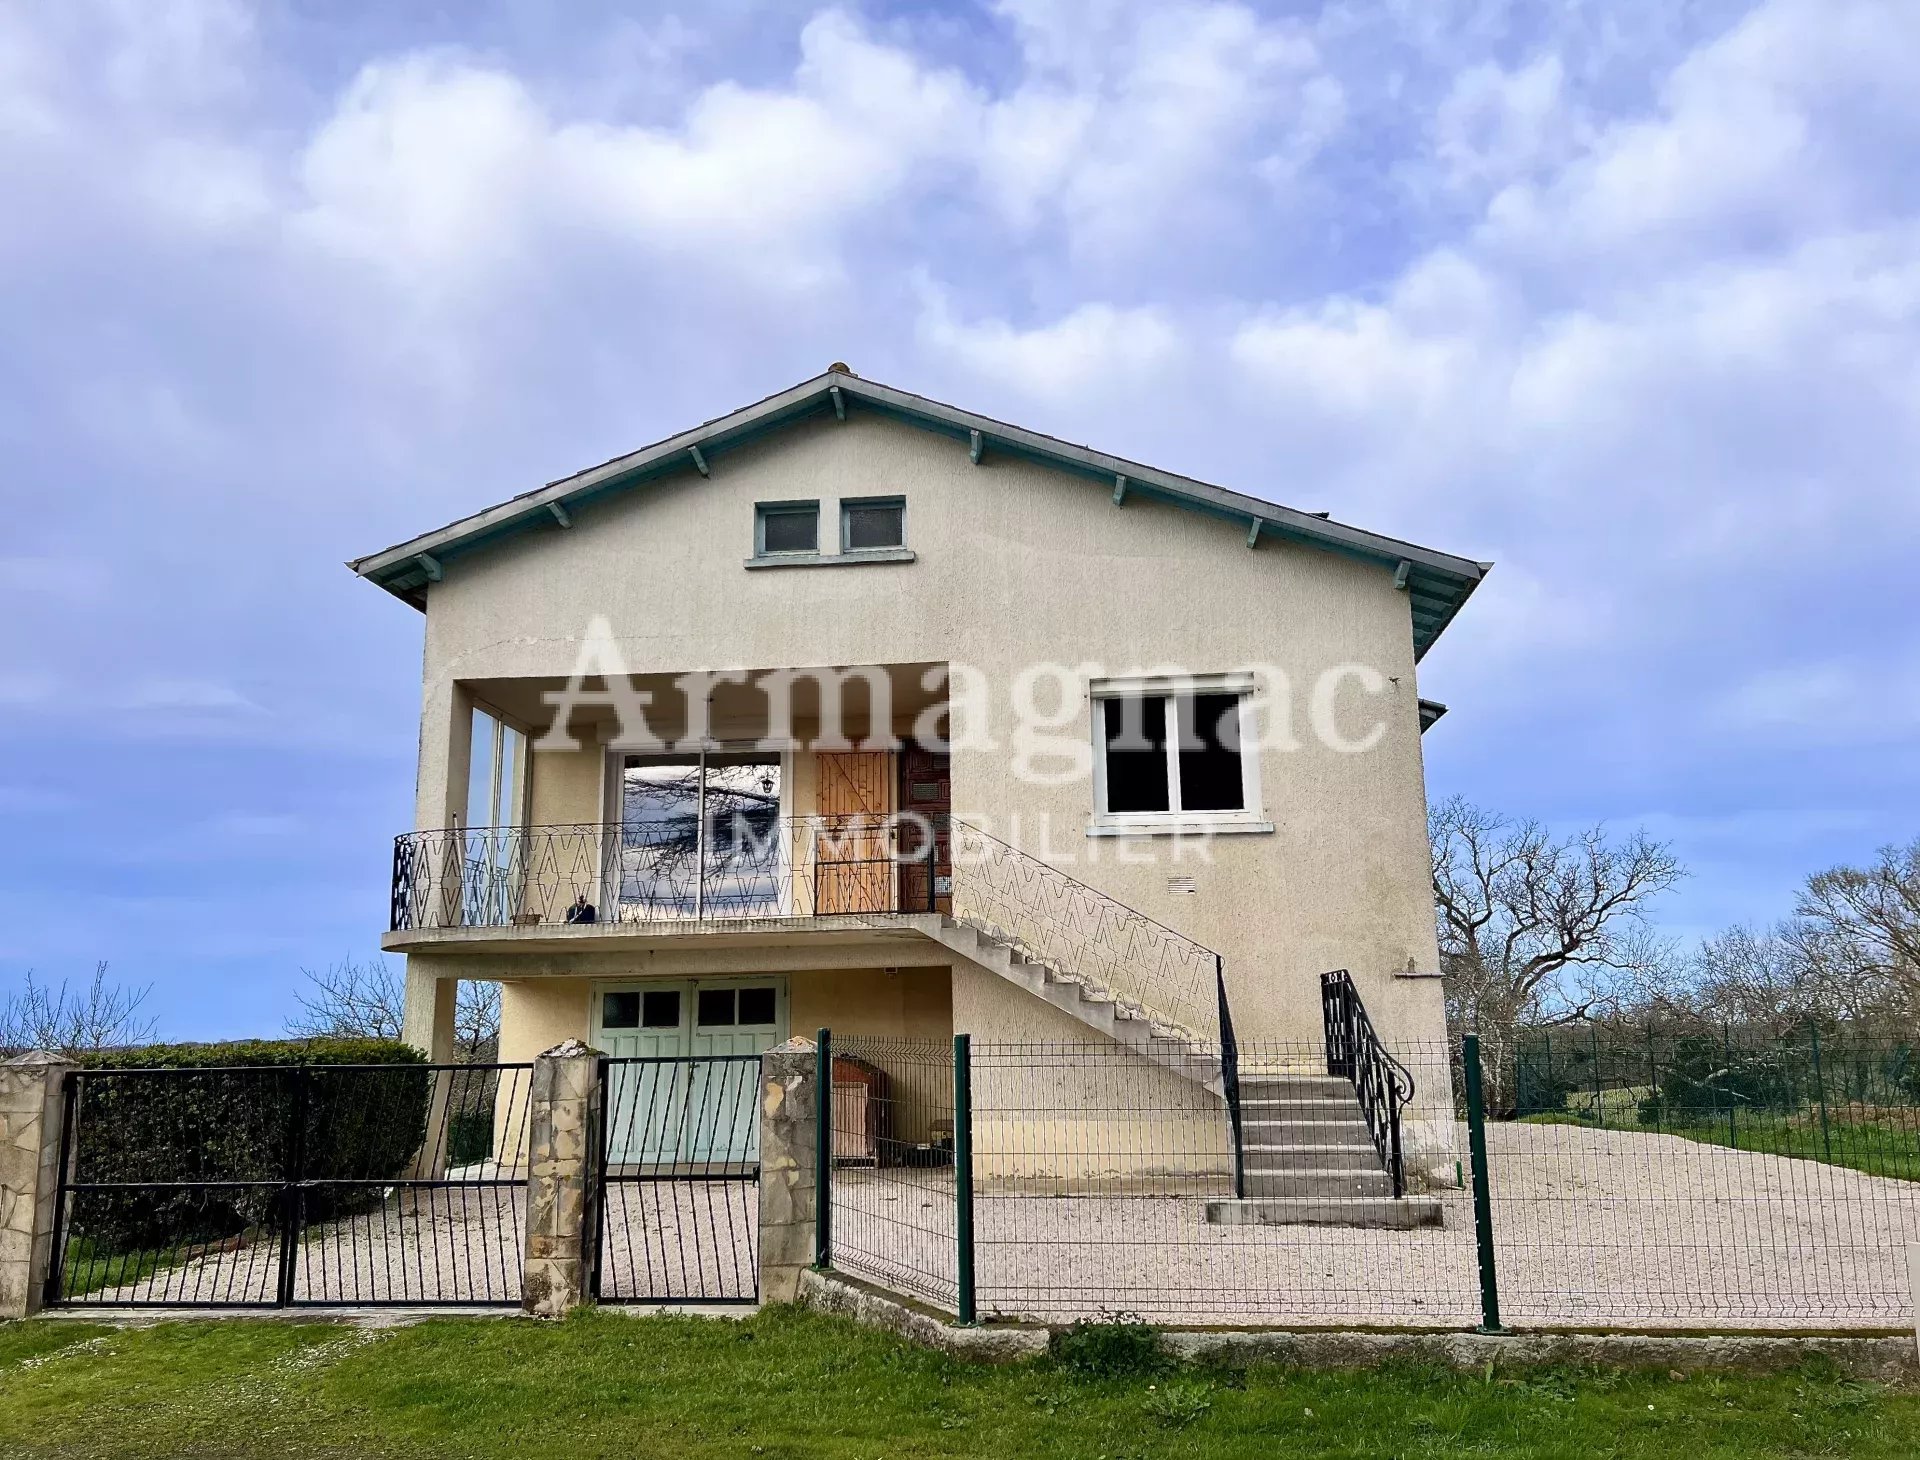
x: 1842, y: 701
x: 1091, y: 350
x: 186, y: 696
x: 1751, y: 141
x: 1498, y: 125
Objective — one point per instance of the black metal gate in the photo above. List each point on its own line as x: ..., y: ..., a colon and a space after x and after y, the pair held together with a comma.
x: 288, y: 1185
x: 679, y: 1176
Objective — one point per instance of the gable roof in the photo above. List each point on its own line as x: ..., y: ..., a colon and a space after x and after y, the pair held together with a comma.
x: 1438, y: 583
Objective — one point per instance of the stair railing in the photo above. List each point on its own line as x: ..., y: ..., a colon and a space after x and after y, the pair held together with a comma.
x: 1355, y: 1052
x: 1053, y: 919
x: 1230, y: 1080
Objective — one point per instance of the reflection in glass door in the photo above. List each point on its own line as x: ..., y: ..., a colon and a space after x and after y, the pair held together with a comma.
x: 496, y: 782
x: 700, y: 837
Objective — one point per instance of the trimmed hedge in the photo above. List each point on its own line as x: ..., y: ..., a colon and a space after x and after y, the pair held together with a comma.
x: 226, y: 1113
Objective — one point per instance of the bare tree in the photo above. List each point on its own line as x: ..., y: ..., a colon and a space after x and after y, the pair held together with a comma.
x: 367, y: 1001
x: 1864, y: 924
x: 98, y: 1015
x: 1536, y: 930
x: 1758, y: 978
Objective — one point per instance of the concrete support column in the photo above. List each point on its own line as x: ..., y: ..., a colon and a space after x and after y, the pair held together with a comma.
x: 31, y: 1106
x: 426, y: 1016
x: 563, y: 1138
x: 426, y: 1023
x: 789, y: 1116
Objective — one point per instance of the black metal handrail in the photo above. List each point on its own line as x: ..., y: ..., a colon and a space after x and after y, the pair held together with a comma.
x: 744, y: 864
x: 1230, y: 1081
x: 1355, y: 1052
x: 1057, y: 920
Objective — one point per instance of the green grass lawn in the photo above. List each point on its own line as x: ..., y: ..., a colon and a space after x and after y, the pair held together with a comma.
x: 786, y: 1383
x: 88, y: 1268
x: 1879, y: 1147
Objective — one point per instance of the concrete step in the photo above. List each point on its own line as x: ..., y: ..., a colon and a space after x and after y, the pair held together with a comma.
x: 1295, y: 1087
x: 1358, y: 1156
x: 1306, y: 1132
x: 1316, y: 1184
x: 1298, y: 1109
x: 1398, y: 1213
x: 1080, y: 997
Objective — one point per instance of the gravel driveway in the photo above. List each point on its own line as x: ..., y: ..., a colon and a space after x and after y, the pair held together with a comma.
x: 1592, y: 1228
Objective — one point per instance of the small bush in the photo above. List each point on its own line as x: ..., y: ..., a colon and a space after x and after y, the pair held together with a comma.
x: 1119, y: 1348
x: 1181, y: 1403
x: 226, y: 1113
x: 1702, y: 1077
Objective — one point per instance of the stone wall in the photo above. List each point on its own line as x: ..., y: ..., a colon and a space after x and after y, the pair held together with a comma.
x: 789, y: 1128
x: 560, y: 1171
x: 30, y: 1112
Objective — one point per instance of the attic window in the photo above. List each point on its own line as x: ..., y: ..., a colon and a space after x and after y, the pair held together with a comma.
x: 786, y: 527
x: 869, y: 523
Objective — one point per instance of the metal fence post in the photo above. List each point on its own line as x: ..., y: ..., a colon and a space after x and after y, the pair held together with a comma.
x: 823, y: 1150
x: 1733, y: 1131
x: 57, y: 1250
x: 1482, y: 1194
x: 1599, y: 1092
x: 963, y: 1175
x: 1820, y: 1092
x: 290, y: 1192
x: 1653, y: 1075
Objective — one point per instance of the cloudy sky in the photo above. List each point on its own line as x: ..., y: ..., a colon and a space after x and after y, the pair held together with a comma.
x: 1624, y: 295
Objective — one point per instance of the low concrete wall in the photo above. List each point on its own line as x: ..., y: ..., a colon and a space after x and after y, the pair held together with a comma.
x: 1885, y: 1358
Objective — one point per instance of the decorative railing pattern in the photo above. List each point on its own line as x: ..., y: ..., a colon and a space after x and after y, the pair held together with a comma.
x: 749, y: 865
x: 1355, y: 1052
x: 1055, y: 920
x: 743, y: 866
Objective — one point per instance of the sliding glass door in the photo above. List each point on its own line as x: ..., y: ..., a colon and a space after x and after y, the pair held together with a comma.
x: 496, y: 795
x: 700, y: 837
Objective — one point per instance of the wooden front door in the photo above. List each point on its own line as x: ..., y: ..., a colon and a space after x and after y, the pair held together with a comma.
x: 853, y: 841
x: 926, y: 807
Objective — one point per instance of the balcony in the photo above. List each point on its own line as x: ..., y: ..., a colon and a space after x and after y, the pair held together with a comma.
x: 742, y: 870
x: 755, y: 877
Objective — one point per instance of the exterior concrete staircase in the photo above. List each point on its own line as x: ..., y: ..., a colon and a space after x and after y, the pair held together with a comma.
x: 1150, y: 1035
x: 1309, y: 1160
x: 1306, y: 1152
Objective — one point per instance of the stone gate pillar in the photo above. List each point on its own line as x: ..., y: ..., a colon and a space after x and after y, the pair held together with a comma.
x: 31, y: 1107
x: 789, y: 1112
x: 563, y: 1139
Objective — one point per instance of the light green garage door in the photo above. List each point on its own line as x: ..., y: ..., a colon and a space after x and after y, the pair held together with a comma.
x: 673, y: 1098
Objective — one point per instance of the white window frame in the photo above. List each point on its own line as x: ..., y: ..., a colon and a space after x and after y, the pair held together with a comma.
x: 1174, y: 821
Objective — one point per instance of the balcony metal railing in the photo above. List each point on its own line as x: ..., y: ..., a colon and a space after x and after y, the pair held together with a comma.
x: 746, y: 865
x: 750, y: 865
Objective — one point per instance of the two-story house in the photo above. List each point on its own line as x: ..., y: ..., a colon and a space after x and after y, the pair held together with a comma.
x: 855, y: 709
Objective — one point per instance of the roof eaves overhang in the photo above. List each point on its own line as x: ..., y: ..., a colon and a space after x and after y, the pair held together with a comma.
x: 1437, y: 583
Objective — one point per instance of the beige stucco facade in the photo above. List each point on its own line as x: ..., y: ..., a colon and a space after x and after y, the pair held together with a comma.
x: 1016, y: 564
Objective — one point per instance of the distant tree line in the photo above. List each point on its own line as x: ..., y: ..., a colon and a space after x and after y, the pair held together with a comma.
x: 1538, y: 931
x: 347, y: 1000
